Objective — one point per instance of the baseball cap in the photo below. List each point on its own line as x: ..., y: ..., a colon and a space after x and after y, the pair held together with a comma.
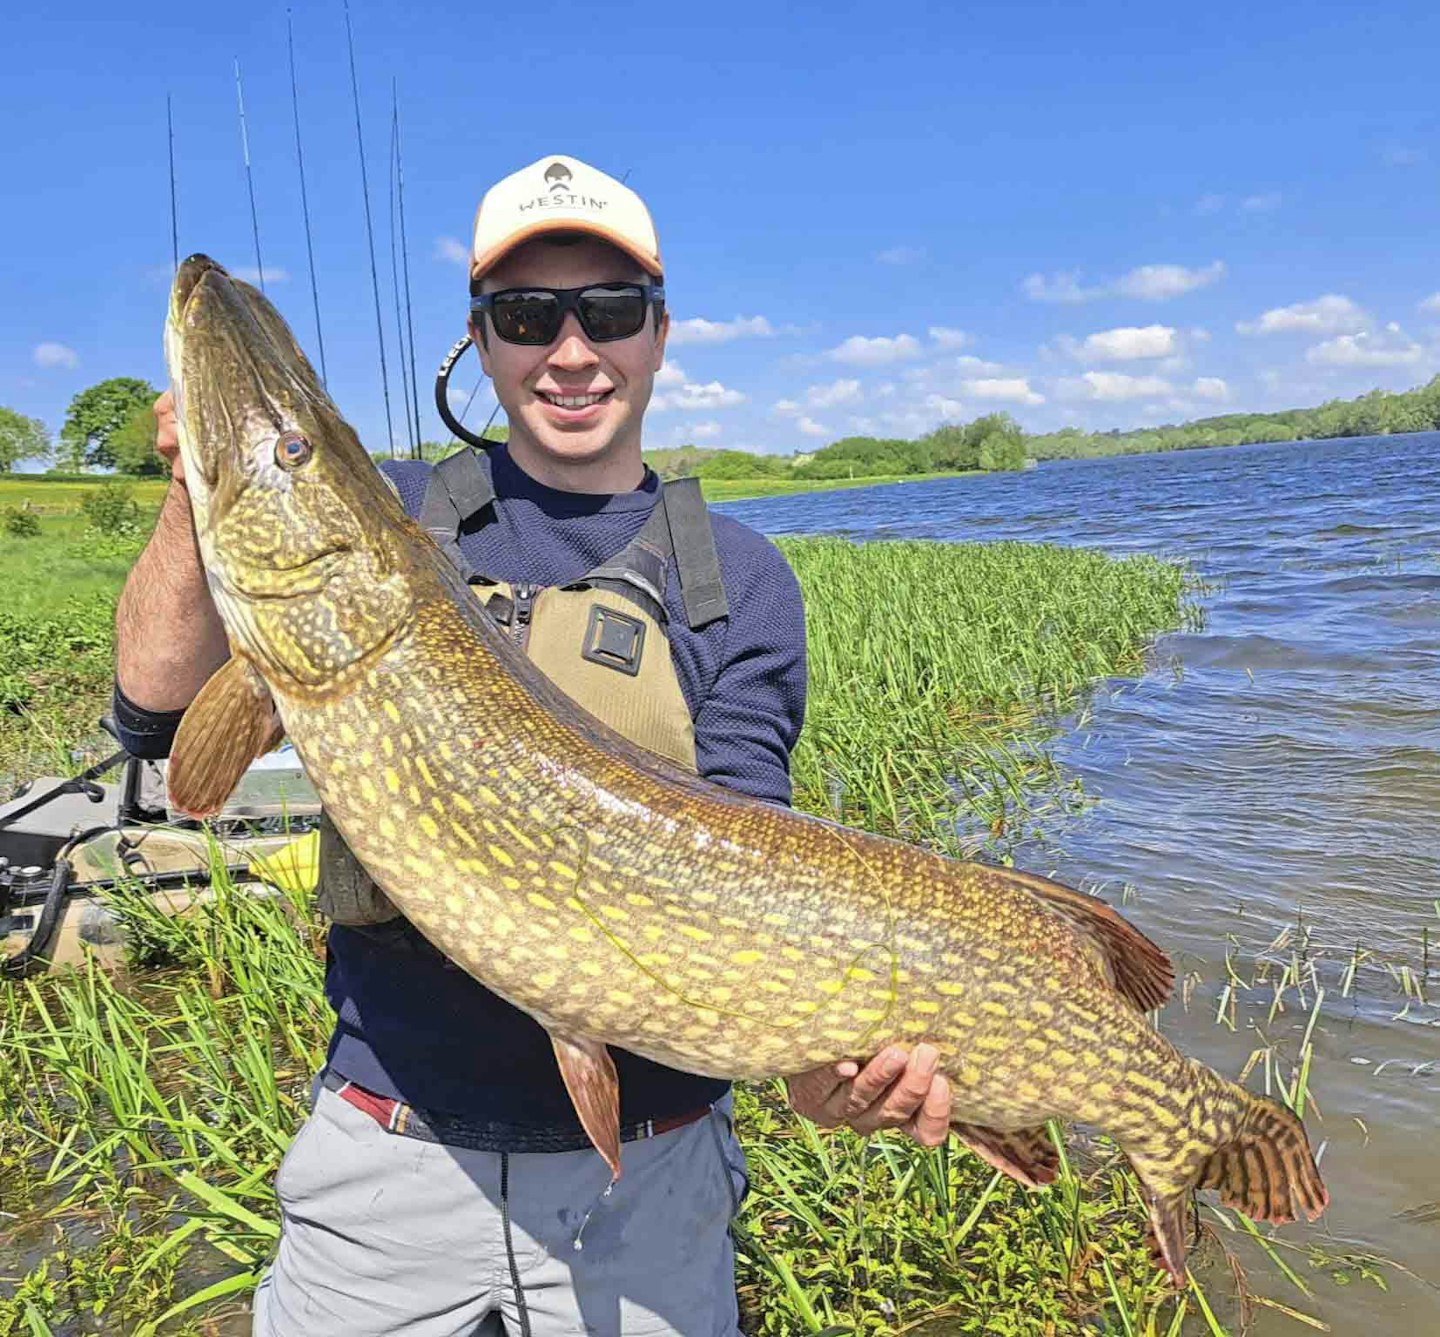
x: 560, y: 194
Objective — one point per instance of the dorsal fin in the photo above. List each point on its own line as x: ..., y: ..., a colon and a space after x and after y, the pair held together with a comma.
x: 1139, y: 969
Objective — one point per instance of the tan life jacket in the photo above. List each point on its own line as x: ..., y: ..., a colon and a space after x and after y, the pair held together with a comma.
x: 601, y: 639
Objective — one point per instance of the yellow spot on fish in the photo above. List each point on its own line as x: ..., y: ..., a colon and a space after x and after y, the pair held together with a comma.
x: 540, y: 902
x: 427, y: 824
x: 860, y: 973
x: 392, y: 781
x: 367, y: 789
x: 869, y: 1014
x: 614, y: 912
x: 924, y: 1005
x: 501, y: 856
x: 778, y: 920
x: 637, y: 898
x: 424, y: 771
x: 546, y: 979
x: 387, y: 828
x: 581, y: 934
x: 698, y: 934
x: 391, y: 712
x: 347, y: 734
x: 563, y: 870
x: 747, y: 957
x: 831, y: 986
x: 805, y: 1005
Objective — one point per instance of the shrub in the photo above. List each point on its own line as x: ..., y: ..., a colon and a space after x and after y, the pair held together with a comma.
x: 111, y: 509
x: 21, y: 523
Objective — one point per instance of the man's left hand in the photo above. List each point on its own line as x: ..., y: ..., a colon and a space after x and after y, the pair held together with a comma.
x: 895, y: 1089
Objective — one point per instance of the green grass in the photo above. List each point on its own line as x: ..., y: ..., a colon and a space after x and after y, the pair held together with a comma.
x: 61, y: 496
x: 157, y: 1103
x: 744, y: 489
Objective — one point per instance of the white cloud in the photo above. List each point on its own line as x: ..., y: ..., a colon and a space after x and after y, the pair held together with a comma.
x: 1209, y: 204
x: 704, y: 431
x: 1330, y: 314
x: 51, y: 354
x: 1063, y: 287
x: 698, y: 330
x: 1159, y: 283
x: 1010, y: 390
x: 1265, y: 202
x: 947, y: 337
x: 1112, y: 386
x: 1147, y: 283
x: 878, y: 352
x: 1400, y: 156
x: 827, y: 396
x: 812, y: 428
x: 787, y: 408
x: 1128, y: 343
x: 669, y: 375
x: 1431, y: 303
x: 693, y: 395
x: 901, y: 255
x: 452, y: 250
x: 1390, y: 348
x: 977, y: 366
x: 1211, y: 387
x: 249, y: 274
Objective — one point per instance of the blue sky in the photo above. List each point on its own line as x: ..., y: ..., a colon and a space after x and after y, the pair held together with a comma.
x: 874, y: 217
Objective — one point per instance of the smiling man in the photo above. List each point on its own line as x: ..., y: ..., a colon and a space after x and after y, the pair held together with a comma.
x: 443, y: 1184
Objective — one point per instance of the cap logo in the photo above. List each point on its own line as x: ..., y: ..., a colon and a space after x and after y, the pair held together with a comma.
x: 557, y: 176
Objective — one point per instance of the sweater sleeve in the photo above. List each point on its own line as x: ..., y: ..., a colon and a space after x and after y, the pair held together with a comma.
x: 752, y: 716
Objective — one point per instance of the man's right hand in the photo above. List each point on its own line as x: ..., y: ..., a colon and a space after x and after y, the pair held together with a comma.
x: 167, y: 436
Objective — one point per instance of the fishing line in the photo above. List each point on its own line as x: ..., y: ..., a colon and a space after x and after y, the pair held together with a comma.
x: 405, y: 271
x: 304, y: 196
x: 249, y: 176
x: 370, y: 233
x: 395, y: 280
x: 174, y: 217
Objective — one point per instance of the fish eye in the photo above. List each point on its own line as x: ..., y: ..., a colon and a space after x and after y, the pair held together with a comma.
x: 293, y: 450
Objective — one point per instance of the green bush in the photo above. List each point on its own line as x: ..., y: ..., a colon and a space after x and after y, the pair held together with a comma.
x: 21, y: 523
x: 111, y: 509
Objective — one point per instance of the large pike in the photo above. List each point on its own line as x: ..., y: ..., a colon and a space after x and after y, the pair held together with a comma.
x: 615, y: 898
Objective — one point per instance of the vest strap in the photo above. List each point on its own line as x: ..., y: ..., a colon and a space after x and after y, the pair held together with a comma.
x: 459, y: 486
x: 693, y: 543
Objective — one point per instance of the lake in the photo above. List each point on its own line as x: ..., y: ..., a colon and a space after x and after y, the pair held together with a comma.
x: 1269, y: 792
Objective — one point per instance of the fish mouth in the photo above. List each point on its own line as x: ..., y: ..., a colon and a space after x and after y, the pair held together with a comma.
x: 265, y: 584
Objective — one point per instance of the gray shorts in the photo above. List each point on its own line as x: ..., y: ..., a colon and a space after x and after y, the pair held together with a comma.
x: 386, y: 1234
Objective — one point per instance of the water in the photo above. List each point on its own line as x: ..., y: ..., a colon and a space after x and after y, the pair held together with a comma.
x: 1280, y: 767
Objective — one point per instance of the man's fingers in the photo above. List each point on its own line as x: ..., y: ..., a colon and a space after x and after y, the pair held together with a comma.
x: 931, y: 1124
x: 870, y: 1084
x: 897, y: 1102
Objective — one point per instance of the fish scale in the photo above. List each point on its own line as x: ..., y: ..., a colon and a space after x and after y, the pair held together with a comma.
x: 617, y: 899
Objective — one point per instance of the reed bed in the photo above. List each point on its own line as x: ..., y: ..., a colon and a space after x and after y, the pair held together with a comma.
x: 148, y: 1111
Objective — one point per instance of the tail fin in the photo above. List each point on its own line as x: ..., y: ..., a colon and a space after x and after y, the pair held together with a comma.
x: 1267, y: 1172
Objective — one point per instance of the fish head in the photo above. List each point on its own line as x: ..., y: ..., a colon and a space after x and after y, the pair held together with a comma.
x: 290, y: 511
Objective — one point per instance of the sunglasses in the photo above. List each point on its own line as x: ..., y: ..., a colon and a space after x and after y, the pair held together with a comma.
x: 606, y: 311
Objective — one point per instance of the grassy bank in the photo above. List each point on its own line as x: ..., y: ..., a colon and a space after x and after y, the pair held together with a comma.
x: 745, y: 489
x: 135, y: 1184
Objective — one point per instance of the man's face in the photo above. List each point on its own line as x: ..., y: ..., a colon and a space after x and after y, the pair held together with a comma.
x: 612, y: 380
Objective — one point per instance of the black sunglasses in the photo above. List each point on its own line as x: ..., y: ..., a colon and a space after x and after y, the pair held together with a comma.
x: 606, y: 311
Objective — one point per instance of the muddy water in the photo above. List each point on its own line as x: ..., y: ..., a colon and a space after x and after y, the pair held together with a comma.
x: 1276, y: 773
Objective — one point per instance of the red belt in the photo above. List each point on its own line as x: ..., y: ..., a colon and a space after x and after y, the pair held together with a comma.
x: 398, y: 1117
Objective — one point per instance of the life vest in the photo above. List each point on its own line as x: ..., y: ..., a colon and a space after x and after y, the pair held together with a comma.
x: 602, y: 639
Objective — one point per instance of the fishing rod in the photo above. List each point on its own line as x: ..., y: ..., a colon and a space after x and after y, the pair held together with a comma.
x: 457, y: 428
x: 370, y: 233
x: 174, y: 217
x: 405, y: 267
x: 304, y: 197
x: 405, y: 387
x: 249, y: 176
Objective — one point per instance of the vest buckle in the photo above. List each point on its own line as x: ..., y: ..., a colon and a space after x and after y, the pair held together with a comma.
x: 614, y: 639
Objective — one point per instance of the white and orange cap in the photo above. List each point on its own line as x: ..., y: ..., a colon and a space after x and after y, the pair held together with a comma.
x: 560, y: 194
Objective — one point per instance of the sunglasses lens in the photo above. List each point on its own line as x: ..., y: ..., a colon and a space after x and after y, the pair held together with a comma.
x: 612, y: 313
x: 526, y: 317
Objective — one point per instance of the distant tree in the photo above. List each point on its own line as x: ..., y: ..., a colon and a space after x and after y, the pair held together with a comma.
x: 736, y: 464
x: 96, y: 415
x: 21, y: 438
x: 132, y: 444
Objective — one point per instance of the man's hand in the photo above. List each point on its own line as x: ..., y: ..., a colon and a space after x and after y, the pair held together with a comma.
x: 894, y: 1090
x: 167, y: 436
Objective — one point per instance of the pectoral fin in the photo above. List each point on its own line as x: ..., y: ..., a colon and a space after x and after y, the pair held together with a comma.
x: 231, y: 722
x: 594, y: 1087
x: 1026, y: 1154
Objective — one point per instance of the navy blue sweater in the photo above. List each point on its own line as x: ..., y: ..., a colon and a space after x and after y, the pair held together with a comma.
x: 409, y: 1023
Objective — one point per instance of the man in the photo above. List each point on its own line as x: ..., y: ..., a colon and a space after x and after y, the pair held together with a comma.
x: 442, y: 1184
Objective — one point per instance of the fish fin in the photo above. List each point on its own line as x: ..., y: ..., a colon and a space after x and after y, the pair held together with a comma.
x: 1139, y: 969
x: 230, y: 722
x: 1026, y: 1154
x: 1168, y: 1218
x: 594, y: 1088
x: 1268, y: 1171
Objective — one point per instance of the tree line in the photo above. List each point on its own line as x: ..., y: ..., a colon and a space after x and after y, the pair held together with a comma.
x: 110, y: 427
